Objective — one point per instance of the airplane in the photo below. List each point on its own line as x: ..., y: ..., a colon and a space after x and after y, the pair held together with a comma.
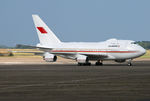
x: 83, y: 52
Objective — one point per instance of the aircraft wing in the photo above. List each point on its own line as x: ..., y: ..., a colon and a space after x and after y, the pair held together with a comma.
x: 31, y: 47
x: 91, y: 56
x: 35, y: 52
x: 96, y: 56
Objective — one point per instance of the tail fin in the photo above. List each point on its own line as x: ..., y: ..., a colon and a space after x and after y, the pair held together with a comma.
x: 46, y: 36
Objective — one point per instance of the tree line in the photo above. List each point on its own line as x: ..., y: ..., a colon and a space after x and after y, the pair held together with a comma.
x: 144, y: 44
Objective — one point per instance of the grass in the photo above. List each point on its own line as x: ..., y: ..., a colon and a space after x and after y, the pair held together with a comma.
x: 18, y: 52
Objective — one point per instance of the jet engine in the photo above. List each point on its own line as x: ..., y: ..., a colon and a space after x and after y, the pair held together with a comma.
x: 120, y: 61
x: 49, y: 57
x: 82, y: 59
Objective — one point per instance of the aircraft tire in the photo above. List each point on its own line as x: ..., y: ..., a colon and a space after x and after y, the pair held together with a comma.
x: 84, y: 64
x: 130, y: 64
x: 98, y: 64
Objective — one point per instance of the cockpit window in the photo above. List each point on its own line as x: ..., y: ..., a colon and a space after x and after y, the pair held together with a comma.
x: 133, y: 42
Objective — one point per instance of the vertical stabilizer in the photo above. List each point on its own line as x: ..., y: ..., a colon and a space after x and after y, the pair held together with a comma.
x: 46, y: 36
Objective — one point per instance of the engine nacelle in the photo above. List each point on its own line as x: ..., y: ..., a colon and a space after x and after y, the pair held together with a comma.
x: 120, y: 61
x: 49, y: 57
x: 82, y: 59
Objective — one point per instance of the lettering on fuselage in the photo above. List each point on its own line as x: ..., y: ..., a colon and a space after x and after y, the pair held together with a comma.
x: 113, y: 45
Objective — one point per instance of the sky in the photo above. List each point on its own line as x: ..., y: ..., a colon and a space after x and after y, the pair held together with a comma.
x: 75, y: 20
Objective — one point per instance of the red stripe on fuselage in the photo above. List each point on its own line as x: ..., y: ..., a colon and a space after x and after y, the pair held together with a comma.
x: 95, y: 51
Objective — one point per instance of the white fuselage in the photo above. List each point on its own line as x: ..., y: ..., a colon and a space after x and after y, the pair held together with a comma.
x: 112, y: 49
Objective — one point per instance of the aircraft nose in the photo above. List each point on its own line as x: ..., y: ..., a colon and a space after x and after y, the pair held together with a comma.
x: 142, y: 51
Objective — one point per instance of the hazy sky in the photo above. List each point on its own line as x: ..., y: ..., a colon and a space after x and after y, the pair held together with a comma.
x: 75, y: 20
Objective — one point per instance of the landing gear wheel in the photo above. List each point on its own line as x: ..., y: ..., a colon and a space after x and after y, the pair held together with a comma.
x: 99, y: 63
x: 130, y: 64
x: 84, y: 64
x: 79, y: 64
x: 88, y: 64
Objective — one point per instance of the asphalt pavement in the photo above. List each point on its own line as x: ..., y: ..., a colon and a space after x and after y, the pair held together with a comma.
x: 46, y: 82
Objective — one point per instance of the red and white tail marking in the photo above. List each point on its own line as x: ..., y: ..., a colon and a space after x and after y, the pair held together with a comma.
x: 42, y: 30
x: 45, y: 34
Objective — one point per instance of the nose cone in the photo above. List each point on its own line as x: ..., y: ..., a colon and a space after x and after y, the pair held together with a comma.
x: 142, y: 51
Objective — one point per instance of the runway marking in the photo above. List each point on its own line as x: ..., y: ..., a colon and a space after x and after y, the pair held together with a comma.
x: 23, y: 69
x: 60, y: 82
x: 37, y: 63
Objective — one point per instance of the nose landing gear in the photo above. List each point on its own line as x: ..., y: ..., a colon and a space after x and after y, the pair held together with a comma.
x: 130, y: 62
x: 99, y: 63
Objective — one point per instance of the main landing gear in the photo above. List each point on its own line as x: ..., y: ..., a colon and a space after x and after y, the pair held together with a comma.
x: 84, y: 64
x: 99, y: 63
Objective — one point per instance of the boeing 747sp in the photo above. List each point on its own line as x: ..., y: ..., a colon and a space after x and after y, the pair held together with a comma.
x: 84, y: 52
